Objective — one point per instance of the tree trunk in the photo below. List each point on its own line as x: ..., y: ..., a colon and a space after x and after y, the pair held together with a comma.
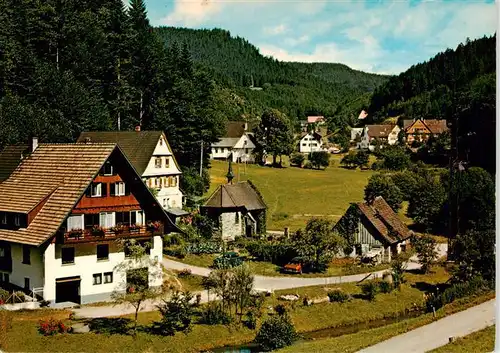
x: 274, y: 160
x: 135, y: 319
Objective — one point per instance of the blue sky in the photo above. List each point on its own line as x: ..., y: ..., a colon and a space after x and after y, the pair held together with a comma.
x: 373, y: 35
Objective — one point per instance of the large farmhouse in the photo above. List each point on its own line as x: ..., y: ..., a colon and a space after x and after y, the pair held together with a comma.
x: 153, y: 159
x: 421, y: 129
x: 377, y: 230
x: 385, y: 134
x: 62, y: 212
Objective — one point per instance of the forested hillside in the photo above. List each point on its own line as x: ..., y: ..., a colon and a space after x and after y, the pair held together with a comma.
x: 457, y: 85
x: 297, y: 89
x: 71, y: 66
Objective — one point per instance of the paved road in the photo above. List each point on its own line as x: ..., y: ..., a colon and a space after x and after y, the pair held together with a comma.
x: 265, y: 283
x: 261, y: 283
x: 436, y: 334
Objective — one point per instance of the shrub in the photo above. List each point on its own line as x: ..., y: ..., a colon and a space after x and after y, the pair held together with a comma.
x: 319, y: 159
x: 385, y: 287
x: 277, y: 253
x: 51, y: 327
x: 4, y: 295
x: 297, y: 159
x: 369, y: 289
x: 276, y: 332
x: 204, y: 247
x: 251, y: 319
x: 184, y: 273
x: 338, y: 296
x: 456, y: 291
x: 214, y: 315
x: 178, y: 252
x: 280, y: 309
x: 308, y: 165
x: 176, y: 314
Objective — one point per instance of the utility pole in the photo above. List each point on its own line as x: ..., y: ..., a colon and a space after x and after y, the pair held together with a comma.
x: 201, y: 159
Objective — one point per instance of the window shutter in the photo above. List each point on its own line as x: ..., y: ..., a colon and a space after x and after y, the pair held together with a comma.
x: 112, y: 189
x: 104, y: 189
x: 88, y: 192
x: 127, y: 189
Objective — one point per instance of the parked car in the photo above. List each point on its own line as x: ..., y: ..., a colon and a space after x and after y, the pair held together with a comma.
x: 228, y: 260
x: 296, y: 265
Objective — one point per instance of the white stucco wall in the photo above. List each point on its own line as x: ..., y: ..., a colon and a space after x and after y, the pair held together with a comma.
x: 311, y: 144
x: 168, y: 196
x: 20, y: 271
x: 220, y: 152
x: 86, y: 265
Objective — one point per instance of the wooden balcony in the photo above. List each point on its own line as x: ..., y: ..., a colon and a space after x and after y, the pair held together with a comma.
x: 97, y: 235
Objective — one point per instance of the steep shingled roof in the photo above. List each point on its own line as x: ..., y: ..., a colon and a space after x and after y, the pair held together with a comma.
x: 138, y: 146
x: 10, y: 158
x: 234, y: 129
x: 235, y: 196
x: 57, y: 173
x: 385, y: 220
x: 379, y: 130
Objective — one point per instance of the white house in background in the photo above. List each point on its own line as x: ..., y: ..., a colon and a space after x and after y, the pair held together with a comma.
x: 153, y: 158
x: 313, y: 141
x: 61, y: 213
x: 355, y: 133
x: 237, y: 144
x: 386, y: 134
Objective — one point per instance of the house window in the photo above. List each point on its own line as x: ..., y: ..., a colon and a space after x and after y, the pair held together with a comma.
x: 174, y: 181
x: 3, y: 218
x: 107, y: 219
x: 75, y: 222
x: 161, y: 142
x: 304, y: 145
x: 165, y: 203
x: 68, y: 255
x: 246, y: 150
x: 96, y: 190
x: 237, y: 218
x: 17, y: 220
x: 2, y: 252
x: 97, y: 278
x: 26, y: 255
x: 167, y: 162
x: 158, y: 182
x: 102, y: 252
x: 120, y: 189
x: 122, y: 217
x: 6, y: 278
x: 158, y: 162
x: 26, y: 283
x: 137, y: 217
x: 107, y: 169
x: 108, y: 277
x: 91, y: 220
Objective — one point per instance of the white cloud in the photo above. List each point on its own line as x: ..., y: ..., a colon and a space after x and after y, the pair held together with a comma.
x: 280, y: 29
x: 191, y: 13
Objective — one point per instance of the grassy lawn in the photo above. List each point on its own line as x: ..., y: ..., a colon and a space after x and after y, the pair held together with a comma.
x: 293, y: 195
x: 23, y: 335
x: 480, y: 341
x: 191, y: 283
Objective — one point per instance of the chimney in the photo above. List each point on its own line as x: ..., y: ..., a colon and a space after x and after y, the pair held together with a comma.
x: 33, y: 144
x: 138, y: 128
x: 88, y: 140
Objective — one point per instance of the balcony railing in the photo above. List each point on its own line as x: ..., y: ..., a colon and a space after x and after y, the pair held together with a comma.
x: 119, y: 231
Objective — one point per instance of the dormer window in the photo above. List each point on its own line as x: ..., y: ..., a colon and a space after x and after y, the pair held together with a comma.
x: 3, y: 218
x: 107, y: 169
x: 158, y: 162
x: 17, y: 220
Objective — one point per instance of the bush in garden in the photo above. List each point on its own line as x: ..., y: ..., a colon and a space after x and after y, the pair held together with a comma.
x: 369, y: 289
x: 277, y: 253
x: 214, y: 315
x: 338, y: 296
x: 184, y: 273
x: 204, y: 247
x: 276, y: 332
x: 458, y: 290
x: 4, y: 295
x: 385, y: 287
x: 51, y: 327
x: 177, y: 314
x: 251, y: 319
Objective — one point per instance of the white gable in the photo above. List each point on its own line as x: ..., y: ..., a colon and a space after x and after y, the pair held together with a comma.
x: 244, y: 142
x: 168, y: 163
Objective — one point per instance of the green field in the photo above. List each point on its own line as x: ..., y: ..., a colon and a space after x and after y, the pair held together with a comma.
x: 294, y: 195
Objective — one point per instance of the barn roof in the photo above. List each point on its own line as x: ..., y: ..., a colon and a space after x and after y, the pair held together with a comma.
x: 380, y: 130
x: 386, y: 222
x: 242, y: 194
x: 138, y: 146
